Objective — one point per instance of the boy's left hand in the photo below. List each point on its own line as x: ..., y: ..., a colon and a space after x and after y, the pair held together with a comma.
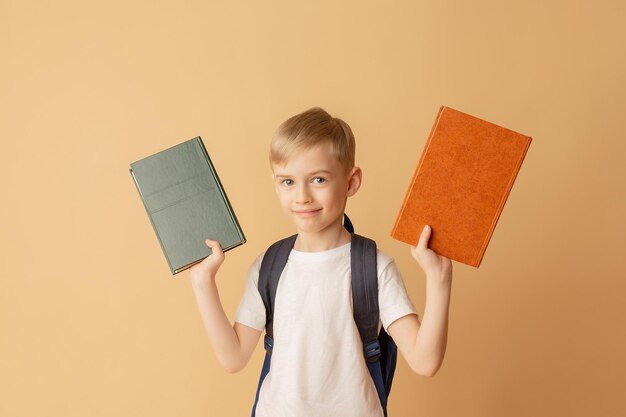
x: 434, y: 265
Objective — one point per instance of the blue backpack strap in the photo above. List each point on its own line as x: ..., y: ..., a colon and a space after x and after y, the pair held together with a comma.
x: 272, y: 266
x: 365, y: 291
x: 347, y: 224
x: 379, y: 350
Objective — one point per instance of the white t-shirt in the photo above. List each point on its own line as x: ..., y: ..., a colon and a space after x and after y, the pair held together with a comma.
x: 317, y: 366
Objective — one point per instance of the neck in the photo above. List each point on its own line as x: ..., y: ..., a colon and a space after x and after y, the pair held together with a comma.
x: 329, y: 238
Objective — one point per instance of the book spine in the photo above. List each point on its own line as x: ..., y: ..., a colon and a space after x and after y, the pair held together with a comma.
x: 231, y: 212
x: 415, y: 175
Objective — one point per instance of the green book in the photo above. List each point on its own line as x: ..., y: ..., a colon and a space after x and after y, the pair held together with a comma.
x: 186, y: 203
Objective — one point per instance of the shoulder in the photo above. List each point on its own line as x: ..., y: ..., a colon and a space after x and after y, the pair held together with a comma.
x: 254, y: 268
x: 383, y: 258
x: 256, y: 263
x: 384, y: 261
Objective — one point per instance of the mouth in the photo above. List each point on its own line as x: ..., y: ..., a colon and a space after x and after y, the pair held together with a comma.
x: 306, y: 213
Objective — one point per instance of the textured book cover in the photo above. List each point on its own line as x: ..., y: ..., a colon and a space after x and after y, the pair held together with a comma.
x: 186, y: 203
x: 462, y: 181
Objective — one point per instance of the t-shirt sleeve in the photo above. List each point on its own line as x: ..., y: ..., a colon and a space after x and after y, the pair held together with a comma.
x: 251, y: 310
x: 393, y: 300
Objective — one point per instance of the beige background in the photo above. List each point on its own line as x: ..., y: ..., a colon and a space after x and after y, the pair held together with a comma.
x: 93, y: 324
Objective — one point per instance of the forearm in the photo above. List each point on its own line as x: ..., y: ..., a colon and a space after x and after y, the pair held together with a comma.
x: 432, y: 336
x: 223, y: 337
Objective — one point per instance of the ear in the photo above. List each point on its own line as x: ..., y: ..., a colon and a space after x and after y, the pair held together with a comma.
x: 354, y: 181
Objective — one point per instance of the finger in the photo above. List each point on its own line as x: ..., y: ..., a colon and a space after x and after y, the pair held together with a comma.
x: 422, y: 244
x: 214, y: 245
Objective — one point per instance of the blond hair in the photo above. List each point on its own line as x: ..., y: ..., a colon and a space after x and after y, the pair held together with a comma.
x: 311, y: 128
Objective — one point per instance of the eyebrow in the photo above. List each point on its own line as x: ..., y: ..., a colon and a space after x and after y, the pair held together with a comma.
x: 323, y: 171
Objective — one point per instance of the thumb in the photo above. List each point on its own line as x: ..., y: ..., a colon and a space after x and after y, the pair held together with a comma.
x: 214, y: 245
x: 422, y: 244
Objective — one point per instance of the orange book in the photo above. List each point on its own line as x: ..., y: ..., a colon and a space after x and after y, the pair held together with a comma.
x: 461, y: 183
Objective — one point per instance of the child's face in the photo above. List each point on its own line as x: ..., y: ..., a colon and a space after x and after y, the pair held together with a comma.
x: 313, y: 187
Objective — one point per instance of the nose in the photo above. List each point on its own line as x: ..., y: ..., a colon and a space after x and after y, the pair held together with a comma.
x: 304, y: 195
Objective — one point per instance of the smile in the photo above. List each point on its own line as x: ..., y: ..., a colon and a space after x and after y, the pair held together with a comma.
x: 306, y: 213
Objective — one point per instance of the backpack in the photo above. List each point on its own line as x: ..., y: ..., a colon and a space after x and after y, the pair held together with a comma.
x: 379, y: 349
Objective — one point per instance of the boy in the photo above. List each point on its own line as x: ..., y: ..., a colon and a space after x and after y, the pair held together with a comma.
x: 317, y: 367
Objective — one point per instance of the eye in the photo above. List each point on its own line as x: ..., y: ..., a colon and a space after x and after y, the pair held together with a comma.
x: 319, y: 180
x: 287, y: 182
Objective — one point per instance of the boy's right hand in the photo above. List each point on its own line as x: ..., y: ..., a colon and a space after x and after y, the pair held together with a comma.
x: 204, y: 272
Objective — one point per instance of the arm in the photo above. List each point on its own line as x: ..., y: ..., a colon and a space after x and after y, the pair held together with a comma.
x: 233, y: 345
x: 423, y: 345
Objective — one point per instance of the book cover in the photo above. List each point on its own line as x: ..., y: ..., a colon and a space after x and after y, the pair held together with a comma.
x: 461, y: 183
x: 186, y: 203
